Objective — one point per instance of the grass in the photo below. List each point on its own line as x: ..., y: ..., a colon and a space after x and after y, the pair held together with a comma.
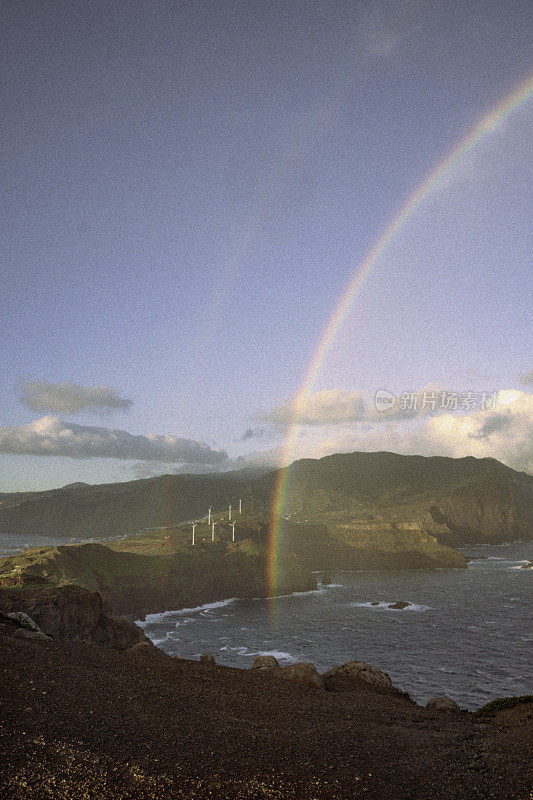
x: 502, y: 703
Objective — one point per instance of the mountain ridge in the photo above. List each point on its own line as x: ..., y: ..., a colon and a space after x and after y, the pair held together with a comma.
x: 459, y: 501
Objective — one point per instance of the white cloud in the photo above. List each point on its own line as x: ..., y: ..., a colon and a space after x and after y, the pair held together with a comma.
x: 70, y: 398
x: 51, y: 436
x: 504, y: 433
x: 324, y: 407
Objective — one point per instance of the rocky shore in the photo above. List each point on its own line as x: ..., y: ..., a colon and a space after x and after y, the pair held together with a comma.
x: 81, y: 719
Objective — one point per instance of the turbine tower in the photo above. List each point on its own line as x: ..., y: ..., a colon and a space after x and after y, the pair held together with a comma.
x: 209, y: 515
x: 233, y: 531
x: 240, y: 506
x: 213, y: 530
x: 194, y: 524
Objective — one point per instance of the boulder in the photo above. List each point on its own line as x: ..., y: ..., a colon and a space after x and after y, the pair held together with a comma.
x: 70, y: 612
x: 374, y: 603
x: 140, y: 647
x: 177, y: 657
x: 303, y: 673
x: 208, y: 658
x: 399, y: 604
x: 265, y: 662
x: 442, y: 703
x: 359, y: 671
x: 24, y: 633
x: 21, y: 619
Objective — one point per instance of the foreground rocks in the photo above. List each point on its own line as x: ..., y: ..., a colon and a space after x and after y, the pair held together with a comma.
x: 357, y: 671
x: 86, y: 721
x: 442, y: 703
x: 71, y: 613
x: 303, y: 673
x: 265, y: 663
x: 20, y: 626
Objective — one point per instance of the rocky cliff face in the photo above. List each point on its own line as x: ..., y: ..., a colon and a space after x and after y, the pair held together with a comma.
x: 71, y: 613
x: 156, y: 579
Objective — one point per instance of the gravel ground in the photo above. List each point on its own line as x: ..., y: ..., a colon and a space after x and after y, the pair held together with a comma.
x: 83, y: 721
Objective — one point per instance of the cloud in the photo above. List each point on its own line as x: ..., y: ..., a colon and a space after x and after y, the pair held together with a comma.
x: 50, y: 436
x: 527, y: 378
x: 70, y: 398
x: 495, y: 423
x: 505, y: 434
x: 336, y: 406
x: 251, y: 433
x: 321, y: 408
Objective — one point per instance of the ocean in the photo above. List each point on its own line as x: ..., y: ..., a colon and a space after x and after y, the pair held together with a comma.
x: 467, y: 633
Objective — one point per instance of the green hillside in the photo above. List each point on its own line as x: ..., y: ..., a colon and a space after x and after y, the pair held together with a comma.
x: 457, y: 501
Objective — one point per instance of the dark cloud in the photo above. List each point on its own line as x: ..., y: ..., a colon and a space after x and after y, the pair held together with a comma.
x: 70, y: 398
x: 494, y: 424
x: 250, y: 433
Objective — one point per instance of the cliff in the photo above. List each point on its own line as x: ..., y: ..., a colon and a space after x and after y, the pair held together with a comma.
x: 71, y: 613
x: 155, y: 573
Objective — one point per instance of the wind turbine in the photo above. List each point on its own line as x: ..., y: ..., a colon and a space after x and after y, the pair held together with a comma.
x: 194, y: 524
x: 209, y: 516
x: 240, y: 506
x: 233, y: 531
x: 213, y: 530
x: 229, y: 517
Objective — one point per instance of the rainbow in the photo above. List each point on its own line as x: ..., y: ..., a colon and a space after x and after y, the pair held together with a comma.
x: 486, y: 125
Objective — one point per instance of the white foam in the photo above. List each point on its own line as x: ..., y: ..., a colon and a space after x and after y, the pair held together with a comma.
x: 150, y: 619
x: 242, y: 650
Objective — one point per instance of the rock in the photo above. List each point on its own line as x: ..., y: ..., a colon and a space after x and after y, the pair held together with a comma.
x: 208, y: 658
x: 358, y: 671
x: 70, y: 612
x: 399, y: 604
x: 140, y: 647
x: 265, y: 662
x: 177, y: 657
x: 442, y: 703
x: 303, y: 673
x: 24, y: 633
x: 21, y: 619
x: 20, y: 578
x: 375, y: 603
x: 325, y: 580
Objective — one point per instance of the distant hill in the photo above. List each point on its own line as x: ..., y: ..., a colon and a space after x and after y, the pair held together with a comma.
x: 457, y: 501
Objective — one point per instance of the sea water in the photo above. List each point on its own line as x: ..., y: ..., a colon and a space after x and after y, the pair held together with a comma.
x: 467, y: 633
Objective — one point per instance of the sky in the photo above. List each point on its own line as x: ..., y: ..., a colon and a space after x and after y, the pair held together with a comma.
x: 189, y: 187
